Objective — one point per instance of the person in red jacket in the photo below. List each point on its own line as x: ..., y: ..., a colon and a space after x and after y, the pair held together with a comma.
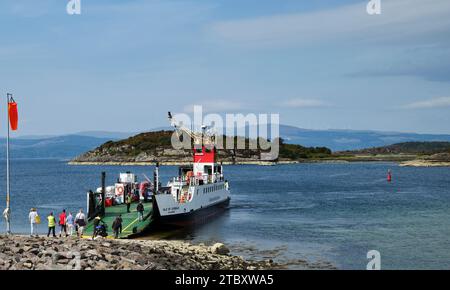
x: 62, y: 223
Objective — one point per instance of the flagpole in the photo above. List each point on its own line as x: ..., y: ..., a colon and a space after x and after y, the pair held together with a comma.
x: 8, y: 188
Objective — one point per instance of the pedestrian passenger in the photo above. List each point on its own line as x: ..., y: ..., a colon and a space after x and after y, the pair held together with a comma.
x: 117, y: 226
x: 51, y: 225
x: 128, y: 201
x: 140, y: 210
x: 70, y: 224
x: 34, y: 221
x: 80, y: 221
x: 62, y: 223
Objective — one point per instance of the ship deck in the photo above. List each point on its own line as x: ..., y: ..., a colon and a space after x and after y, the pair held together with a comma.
x: 130, y: 225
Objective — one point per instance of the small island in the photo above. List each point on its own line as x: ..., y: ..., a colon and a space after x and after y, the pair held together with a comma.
x: 151, y: 147
x: 419, y: 154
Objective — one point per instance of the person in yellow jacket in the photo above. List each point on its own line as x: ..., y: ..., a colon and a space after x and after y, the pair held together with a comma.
x: 51, y: 224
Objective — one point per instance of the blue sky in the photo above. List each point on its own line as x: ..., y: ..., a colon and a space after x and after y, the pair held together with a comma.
x: 121, y: 65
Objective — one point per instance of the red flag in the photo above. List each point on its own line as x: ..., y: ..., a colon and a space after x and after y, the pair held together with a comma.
x: 13, y: 115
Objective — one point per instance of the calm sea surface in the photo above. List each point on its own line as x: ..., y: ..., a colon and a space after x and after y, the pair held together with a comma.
x: 317, y: 212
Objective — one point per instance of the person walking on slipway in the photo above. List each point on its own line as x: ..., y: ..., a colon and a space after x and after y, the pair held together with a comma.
x: 34, y: 221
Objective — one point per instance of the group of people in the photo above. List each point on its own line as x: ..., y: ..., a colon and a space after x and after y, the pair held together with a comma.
x: 68, y: 224
x: 66, y: 221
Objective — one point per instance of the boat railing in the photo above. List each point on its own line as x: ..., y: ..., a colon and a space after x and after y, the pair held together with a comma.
x: 197, y: 180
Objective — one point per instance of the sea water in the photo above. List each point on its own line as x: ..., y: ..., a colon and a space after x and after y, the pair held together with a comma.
x: 316, y: 212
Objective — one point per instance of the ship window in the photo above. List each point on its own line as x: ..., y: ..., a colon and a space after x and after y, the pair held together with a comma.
x: 208, y: 169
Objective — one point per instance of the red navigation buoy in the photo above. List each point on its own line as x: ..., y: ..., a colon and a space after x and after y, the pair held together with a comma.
x: 389, y: 176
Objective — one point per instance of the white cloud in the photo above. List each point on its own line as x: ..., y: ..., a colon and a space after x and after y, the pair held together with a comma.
x: 400, y: 20
x: 215, y: 106
x: 432, y: 103
x: 304, y: 103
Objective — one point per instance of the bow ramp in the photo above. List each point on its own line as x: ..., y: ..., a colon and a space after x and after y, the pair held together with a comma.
x: 131, y: 225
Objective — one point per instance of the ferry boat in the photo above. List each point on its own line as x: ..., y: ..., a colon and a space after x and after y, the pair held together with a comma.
x: 198, y: 192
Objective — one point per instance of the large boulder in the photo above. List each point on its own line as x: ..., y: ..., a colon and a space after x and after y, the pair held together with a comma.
x: 219, y: 249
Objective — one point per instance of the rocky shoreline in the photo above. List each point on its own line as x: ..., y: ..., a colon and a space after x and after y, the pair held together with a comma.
x: 41, y: 253
x: 424, y: 163
x: 435, y: 160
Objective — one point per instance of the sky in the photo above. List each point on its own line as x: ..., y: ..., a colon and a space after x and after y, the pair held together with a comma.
x: 121, y: 65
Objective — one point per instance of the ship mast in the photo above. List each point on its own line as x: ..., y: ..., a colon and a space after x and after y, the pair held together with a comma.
x: 200, y: 138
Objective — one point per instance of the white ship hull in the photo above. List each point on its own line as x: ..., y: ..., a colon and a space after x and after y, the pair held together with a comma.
x: 201, y: 201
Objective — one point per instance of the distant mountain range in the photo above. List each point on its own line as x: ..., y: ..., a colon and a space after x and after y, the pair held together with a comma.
x: 340, y: 140
x: 70, y: 146
x: 61, y: 147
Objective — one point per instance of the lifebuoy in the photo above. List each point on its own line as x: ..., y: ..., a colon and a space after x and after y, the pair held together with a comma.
x: 120, y: 190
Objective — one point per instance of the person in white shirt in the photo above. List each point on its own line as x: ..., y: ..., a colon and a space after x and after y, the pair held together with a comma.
x: 80, y: 221
x: 32, y: 216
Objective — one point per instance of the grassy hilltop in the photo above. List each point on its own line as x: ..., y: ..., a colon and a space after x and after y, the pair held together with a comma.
x: 157, y: 146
